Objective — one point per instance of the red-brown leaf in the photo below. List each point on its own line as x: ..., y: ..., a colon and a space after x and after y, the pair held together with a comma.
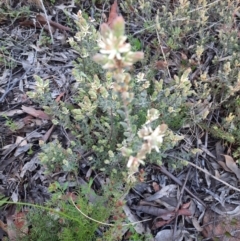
x: 161, y: 223
x: 47, y: 134
x: 36, y: 113
x: 60, y: 96
x: 186, y: 205
x: 161, y: 65
x: 184, y: 212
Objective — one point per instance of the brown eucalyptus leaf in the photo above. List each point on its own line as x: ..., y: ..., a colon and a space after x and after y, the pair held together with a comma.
x: 186, y: 205
x: 155, y: 186
x: 167, y: 235
x: 231, y: 164
x: 230, y: 210
x: 154, y: 211
x: 48, y: 134
x: 139, y: 228
x: 196, y: 224
x: 21, y: 141
x: 36, y: 113
x: 30, y: 166
x: 169, y: 203
x: 165, y: 191
x: 22, y: 149
x: 11, y: 112
x: 224, y: 166
x: 219, y: 151
x: 161, y: 65
x: 184, y: 212
x: 160, y: 223
x: 3, y: 226
x: 11, y: 231
x: 221, y: 227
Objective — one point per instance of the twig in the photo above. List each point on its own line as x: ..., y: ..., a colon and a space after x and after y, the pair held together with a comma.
x: 179, y: 202
x: 164, y: 171
x: 163, y: 53
x: 45, y: 12
x: 197, y: 9
x: 208, y: 173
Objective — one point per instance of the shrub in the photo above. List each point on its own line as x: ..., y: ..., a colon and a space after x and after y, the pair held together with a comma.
x: 124, y: 116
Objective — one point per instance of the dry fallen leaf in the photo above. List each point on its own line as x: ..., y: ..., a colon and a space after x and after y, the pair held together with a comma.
x: 27, y: 120
x: 154, y: 211
x: 21, y: 141
x: 17, y: 226
x: 3, y: 226
x: 221, y: 227
x: 11, y: 112
x: 219, y: 151
x: 160, y: 65
x: 41, y: 22
x: 30, y: 166
x: 20, y: 221
x: 196, y: 224
x: 184, y: 212
x: 11, y: 230
x: 48, y: 134
x: 42, y: 19
x: 22, y: 149
x: 36, y: 113
x: 167, y: 235
x: 224, y: 166
x: 231, y: 164
x: 161, y: 223
x: 60, y: 96
x: 139, y: 228
x: 186, y: 205
x: 155, y: 186
x: 165, y: 191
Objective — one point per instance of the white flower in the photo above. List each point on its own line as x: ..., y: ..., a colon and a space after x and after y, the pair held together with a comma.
x: 144, y: 131
x: 152, y: 115
x: 140, y: 77
x: 155, y: 139
x: 114, y: 46
x: 146, y: 85
x: 133, y: 163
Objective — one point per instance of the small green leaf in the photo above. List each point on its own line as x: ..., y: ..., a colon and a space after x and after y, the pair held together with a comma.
x: 3, y: 200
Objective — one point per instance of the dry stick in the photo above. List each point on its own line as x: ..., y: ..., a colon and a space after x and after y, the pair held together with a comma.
x: 164, y: 171
x: 45, y: 12
x: 197, y: 155
x: 206, y: 172
x: 183, y: 187
x: 107, y: 224
x: 163, y: 53
x: 197, y: 9
x: 179, y: 201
